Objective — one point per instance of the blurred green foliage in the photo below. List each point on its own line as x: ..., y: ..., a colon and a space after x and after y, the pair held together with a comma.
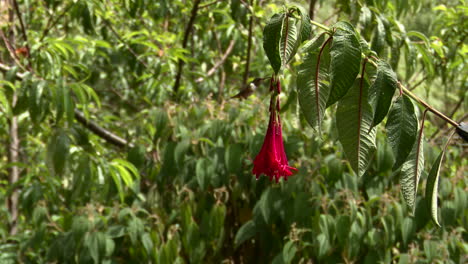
x: 183, y: 192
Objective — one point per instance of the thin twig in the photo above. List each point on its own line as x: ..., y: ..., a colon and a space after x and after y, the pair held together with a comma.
x: 249, y: 47
x: 23, y: 31
x: 455, y: 109
x: 51, y: 23
x: 418, y: 83
x: 219, y: 63
x: 188, y: 29
x: 108, y: 24
x: 11, y: 50
x: 429, y: 107
x: 208, y: 4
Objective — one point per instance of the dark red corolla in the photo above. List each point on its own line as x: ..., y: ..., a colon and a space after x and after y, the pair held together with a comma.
x: 272, y: 160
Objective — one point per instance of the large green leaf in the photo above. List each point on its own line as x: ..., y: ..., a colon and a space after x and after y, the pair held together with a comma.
x: 313, y: 92
x: 271, y: 40
x: 432, y: 187
x: 381, y: 91
x: 402, y: 127
x: 345, y: 58
x: 290, y: 38
x: 355, y: 132
x: 411, y: 171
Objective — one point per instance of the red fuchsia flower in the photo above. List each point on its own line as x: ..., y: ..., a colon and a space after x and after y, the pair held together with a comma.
x: 272, y: 160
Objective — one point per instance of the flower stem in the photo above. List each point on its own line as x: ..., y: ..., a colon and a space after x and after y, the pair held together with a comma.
x: 322, y: 26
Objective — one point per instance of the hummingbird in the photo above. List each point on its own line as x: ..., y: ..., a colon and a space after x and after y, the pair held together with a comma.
x: 249, y: 88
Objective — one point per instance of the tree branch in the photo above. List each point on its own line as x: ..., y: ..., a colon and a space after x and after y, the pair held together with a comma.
x: 14, y: 144
x: 101, y: 132
x: 249, y: 47
x: 312, y: 8
x: 92, y: 126
x: 188, y: 29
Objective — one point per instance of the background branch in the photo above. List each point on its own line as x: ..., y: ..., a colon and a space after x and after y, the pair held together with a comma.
x: 188, y: 29
x: 249, y: 47
x: 92, y: 126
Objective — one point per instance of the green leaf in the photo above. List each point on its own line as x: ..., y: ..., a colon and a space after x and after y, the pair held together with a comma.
x: 432, y: 187
x: 57, y: 151
x: 289, y: 40
x: 354, y: 124
x: 381, y: 91
x: 407, y: 230
x: 289, y: 251
x: 343, y: 226
x: 147, y: 242
x: 402, y: 128
x: 34, y: 100
x: 202, y: 173
x: 246, y: 232
x: 378, y: 41
x: 59, y: 99
x: 411, y: 172
x: 233, y: 158
x: 116, y: 231
x: 271, y: 40
x: 345, y: 58
x: 313, y: 92
x: 68, y: 105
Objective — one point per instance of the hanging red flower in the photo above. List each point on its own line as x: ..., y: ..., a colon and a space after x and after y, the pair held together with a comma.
x: 272, y: 160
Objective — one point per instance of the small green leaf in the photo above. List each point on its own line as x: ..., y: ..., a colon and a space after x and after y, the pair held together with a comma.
x: 432, y: 187
x: 246, y: 232
x: 355, y: 132
x: 271, y: 40
x: 381, y: 91
x: 345, y: 58
x: 402, y: 127
x: 313, y: 93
